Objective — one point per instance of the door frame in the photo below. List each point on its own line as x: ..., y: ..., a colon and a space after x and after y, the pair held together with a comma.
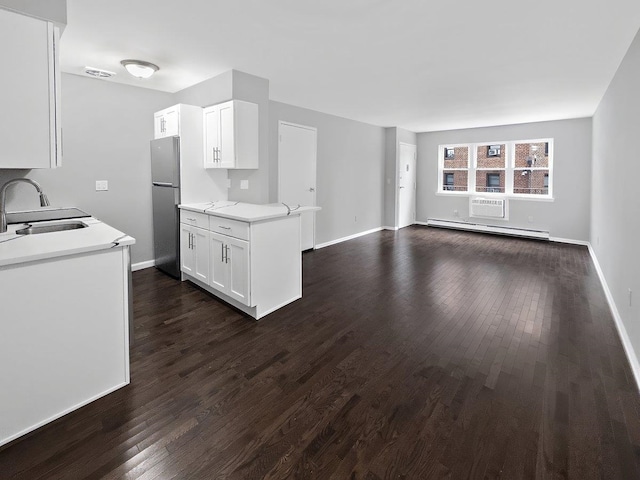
x: 415, y: 198
x: 282, y: 123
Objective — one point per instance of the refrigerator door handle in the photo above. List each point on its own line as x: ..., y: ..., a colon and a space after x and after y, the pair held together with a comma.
x: 162, y: 184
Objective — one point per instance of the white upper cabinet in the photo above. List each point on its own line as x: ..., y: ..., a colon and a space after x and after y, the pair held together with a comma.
x: 166, y: 123
x: 231, y: 135
x: 30, y: 132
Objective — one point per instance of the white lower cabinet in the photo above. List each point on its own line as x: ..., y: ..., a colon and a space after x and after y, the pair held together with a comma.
x: 256, y: 266
x: 230, y: 267
x: 194, y: 252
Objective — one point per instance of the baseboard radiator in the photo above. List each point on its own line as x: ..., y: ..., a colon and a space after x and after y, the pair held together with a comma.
x: 498, y: 230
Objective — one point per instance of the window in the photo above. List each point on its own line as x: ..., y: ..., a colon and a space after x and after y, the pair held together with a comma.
x: 449, y: 181
x: 521, y: 168
x: 455, y: 169
x: 490, y: 164
x: 493, y: 182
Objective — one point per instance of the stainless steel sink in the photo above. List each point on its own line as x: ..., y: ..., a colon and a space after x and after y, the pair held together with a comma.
x: 54, y: 227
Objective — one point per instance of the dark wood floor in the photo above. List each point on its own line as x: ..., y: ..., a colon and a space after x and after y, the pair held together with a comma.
x: 418, y: 354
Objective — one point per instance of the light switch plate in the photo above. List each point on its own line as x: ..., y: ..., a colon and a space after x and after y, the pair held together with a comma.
x: 102, y: 185
x: 244, y: 184
x: 228, y: 183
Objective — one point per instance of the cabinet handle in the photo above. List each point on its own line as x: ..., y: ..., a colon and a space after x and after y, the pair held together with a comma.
x: 225, y: 228
x: 193, y: 240
x: 222, y: 252
x: 226, y: 249
x: 189, y: 245
x: 191, y: 219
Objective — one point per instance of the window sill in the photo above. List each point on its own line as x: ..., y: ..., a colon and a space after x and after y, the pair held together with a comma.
x: 534, y: 198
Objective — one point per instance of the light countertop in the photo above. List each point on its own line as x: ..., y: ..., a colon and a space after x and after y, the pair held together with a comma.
x: 246, y: 212
x: 15, y: 249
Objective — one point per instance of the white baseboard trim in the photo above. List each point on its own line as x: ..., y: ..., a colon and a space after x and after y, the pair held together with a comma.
x: 142, y: 265
x: 569, y: 240
x: 390, y: 228
x: 622, y: 331
x: 479, y: 227
x: 421, y: 223
x: 350, y: 237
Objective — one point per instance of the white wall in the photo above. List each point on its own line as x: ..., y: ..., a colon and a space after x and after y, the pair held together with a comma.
x: 615, y: 213
x: 106, y: 132
x: 256, y: 90
x: 350, y: 170
x: 566, y: 217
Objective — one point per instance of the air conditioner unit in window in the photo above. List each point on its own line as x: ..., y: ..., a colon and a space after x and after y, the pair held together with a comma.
x: 486, y: 208
x: 493, y: 152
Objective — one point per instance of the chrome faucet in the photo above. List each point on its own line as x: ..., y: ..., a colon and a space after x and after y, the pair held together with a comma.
x: 44, y: 201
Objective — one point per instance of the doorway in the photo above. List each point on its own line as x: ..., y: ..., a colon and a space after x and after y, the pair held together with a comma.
x: 297, y: 154
x: 407, y: 185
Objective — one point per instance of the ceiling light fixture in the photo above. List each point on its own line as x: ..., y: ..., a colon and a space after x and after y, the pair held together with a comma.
x: 98, y: 72
x: 139, y: 69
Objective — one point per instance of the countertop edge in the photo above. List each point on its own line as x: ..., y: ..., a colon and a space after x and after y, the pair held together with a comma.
x: 231, y: 216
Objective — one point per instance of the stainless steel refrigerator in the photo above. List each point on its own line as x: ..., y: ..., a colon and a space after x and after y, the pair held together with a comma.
x: 165, y: 177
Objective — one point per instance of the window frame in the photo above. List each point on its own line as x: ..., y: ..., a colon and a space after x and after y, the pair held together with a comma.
x: 509, y: 169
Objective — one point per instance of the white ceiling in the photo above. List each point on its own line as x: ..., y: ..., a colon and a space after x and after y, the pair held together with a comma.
x: 423, y: 65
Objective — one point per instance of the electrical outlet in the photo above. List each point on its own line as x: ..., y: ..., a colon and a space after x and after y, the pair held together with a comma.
x: 455, y: 213
x: 530, y: 218
x: 244, y: 184
x: 102, y: 185
x: 228, y: 183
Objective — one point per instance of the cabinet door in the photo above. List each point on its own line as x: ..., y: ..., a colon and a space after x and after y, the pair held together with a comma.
x: 218, y: 271
x: 171, y: 122
x: 227, y: 154
x: 211, y: 134
x: 200, y: 243
x: 29, y: 124
x: 187, y: 260
x: 238, y: 253
x: 158, y: 125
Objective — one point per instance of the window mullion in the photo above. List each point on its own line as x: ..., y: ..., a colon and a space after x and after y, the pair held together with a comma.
x: 473, y: 155
x: 510, y: 161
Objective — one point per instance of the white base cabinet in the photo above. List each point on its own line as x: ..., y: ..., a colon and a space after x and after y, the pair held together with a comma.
x: 254, y: 266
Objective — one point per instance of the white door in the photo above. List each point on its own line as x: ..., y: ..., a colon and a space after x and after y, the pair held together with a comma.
x: 407, y: 185
x: 297, y: 154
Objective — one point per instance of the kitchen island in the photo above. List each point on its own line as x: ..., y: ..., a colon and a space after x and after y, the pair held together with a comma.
x: 64, y: 318
x: 245, y: 254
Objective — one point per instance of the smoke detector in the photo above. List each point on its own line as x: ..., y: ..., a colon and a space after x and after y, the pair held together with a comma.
x: 98, y: 72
